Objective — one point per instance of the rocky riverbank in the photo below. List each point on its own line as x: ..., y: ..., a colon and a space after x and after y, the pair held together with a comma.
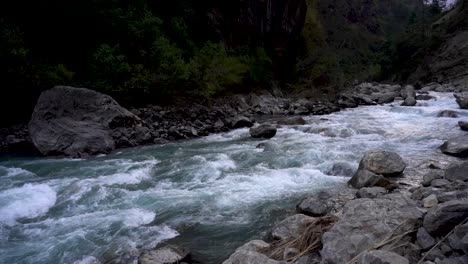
x: 96, y: 124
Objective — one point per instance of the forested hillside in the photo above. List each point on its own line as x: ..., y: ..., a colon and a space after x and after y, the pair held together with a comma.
x: 154, y: 51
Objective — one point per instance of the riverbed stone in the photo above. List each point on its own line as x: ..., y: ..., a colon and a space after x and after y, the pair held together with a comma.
x: 291, y: 227
x: 408, y: 91
x: 463, y: 125
x: 312, y: 207
x: 457, y: 172
x: 366, y: 222
x: 250, y: 257
x: 292, y: 121
x: 263, y: 131
x: 385, y: 163
x: 371, y: 192
x: 241, y: 121
x: 452, y: 195
x: 424, y: 239
x: 409, y: 101
x: 459, y: 238
x: 165, y: 255
x: 430, y: 201
x: 462, y: 99
x: 440, y: 183
x: 448, y: 113
x: 456, y: 146
x: 443, y: 218
x: 79, y: 122
x: 432, y: 175
x: 381, y: 257
x: 365, y: 178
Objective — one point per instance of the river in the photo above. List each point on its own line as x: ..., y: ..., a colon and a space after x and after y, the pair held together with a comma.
x: 211, y: 194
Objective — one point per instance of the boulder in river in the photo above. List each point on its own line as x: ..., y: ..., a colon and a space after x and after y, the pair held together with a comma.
x: 462, y: 99
x: 385, y: 163
x: 448, y: 113
x: 463, y: 125
x: 165, y: 255
x: 365, y: 178
x: 456, y: 146
x: 79, y: 122
x: 292, y: 121
x: 241, y: 121
x: 408, y: 91
x: 409, y: 101
x: 263, y: 131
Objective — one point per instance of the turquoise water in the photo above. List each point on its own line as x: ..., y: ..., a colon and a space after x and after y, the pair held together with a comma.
x: 210, y: 194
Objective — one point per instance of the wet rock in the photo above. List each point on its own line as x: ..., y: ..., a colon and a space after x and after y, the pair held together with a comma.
x: 366, y: 222
x: 424, y: 97
x: 250, y: 253
x: 462, y: 99
x: 457, y: 172
x: 291, y: 227
x: 430, y: 201
x: 409, y: 101
x: 443, y: 218
x: 381, y: 257
x: 459, y: 238
x: 365, y: 178
x: 453, y: 195
x: 424, y: 239
x: 165, y: 255
x: 440, y: 183
x: 241, y: 121
x: 448, y: 113
x: 79, y: 122
x: 312, y: 207
x: 408, y: 91
x: 432, y: 175
x: 385, y: 163
x: 263, y: 131
x: 463, y: 125
x: 292, y: 121
x: 384, y: 98
x: 341, y: 169
x: 268, y: 146
x: 371, y: 192
x: 456, y: 146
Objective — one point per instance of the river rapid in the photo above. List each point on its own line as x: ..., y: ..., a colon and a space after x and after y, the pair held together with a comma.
x: 210, y: 194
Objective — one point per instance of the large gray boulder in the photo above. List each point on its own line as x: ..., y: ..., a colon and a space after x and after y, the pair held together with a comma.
x: 365, y: 223
x: 442, y: 219
x: 462, y: 99
x: 250, y: 253
x: 312, y: 207
x: 165, y: 255
x: 456, y: 146
x: 457, y: 172
x: 241, y: 121
x: 263, y: 131
x: 291, y: 227
x: 381, y: 257
x: 365, y: 178
x: 385, y: 163
x: 79, y: 122
x: 459, y: 238
x: 408, y: 91
x: 409, y: 101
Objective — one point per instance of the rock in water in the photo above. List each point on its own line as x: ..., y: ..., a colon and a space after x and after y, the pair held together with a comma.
x: 462, y: 99
x: 165, y: 255
x: 79, y: 122
x: 409, y: 101
x: 463, y: 125
x: 448, y: 113
x: 263, y: 131
x: 408, y: 91
x: 383, y: 162
x: 297, y: 120
x: 381, y: 257
x: 241, y: 121
x: 365, y: 178
x: 456, y: 146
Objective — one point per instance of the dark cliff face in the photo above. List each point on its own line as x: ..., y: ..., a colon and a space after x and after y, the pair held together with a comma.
x: 272, y: 24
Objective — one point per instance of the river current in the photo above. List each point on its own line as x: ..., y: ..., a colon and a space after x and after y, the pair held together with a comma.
x: 210, y: 194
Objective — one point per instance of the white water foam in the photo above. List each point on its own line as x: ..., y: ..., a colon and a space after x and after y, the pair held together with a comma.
x: 28, y: 201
